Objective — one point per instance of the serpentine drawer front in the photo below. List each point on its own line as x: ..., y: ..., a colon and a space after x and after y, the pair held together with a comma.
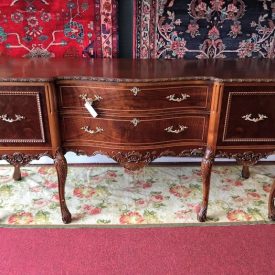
x: 135, y: 97
x: 23, y: 115
x: 248, y: 115
x: 133, y: 131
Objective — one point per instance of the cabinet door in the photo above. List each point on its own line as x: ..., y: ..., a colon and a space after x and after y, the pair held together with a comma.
x: 23, y: 115
x: 248, y: 115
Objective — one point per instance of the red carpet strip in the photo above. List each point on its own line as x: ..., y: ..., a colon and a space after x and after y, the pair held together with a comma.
x: 184, y: 250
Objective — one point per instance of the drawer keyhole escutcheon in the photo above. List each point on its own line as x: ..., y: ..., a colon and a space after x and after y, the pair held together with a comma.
x: 135, y: 122
x: 92, y: 132
x: 11, y: 120
x: 179, y: 130
x: 178, y: 99
x: 90, y: 100
x: 260, y: 117
x: 135, y: 91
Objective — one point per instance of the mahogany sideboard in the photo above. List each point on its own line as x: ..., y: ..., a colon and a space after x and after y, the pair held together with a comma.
x: 135, y: 111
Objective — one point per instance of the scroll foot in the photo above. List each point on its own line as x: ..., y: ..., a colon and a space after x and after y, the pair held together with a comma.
x: 66, y: 215
x: 202, y: 215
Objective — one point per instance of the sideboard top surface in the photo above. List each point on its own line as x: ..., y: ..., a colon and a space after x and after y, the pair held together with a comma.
x: 117, y: 70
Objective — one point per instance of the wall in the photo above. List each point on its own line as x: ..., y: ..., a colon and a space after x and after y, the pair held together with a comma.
x: 125, y: 23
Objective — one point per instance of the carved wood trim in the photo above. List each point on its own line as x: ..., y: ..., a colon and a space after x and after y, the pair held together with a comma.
x: 191, y: 78
x: 21, y: 159
x: 134, y: 160
x: 245, y: 158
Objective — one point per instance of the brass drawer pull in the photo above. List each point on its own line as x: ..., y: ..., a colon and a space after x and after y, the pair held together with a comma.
x: 11, y: 120
x: 92, y: 132
x: 181, y: 129
x: 256, y: 119
x: 135, y: 91
x: 90, y: 100
x: 177, y: 99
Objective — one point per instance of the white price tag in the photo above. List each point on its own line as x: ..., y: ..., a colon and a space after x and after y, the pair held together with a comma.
x: 91, y: 110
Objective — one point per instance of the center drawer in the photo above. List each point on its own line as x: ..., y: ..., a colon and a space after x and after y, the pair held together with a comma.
x: 128, y: 98
x: 139, y: 131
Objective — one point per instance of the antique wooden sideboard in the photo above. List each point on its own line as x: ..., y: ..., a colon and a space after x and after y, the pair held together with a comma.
x: 136, y: 111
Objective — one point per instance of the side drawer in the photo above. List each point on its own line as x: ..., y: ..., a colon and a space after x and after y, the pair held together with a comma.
x: 136, y: 131
x: 23, y: 115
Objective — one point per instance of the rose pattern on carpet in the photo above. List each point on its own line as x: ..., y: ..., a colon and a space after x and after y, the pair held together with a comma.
x: 66, y: 28
x: 109, y: 195
x: 196, y: 29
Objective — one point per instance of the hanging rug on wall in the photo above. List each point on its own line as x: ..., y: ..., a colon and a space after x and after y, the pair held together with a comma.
x: 196, y: 29
x: 65, y: 28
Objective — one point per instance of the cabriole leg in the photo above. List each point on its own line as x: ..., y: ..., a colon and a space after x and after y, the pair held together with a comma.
x: 245, y: 172
x: 206, y: 167
x: 17, y: 173
x: 61, y: 168
x: 271, y: 203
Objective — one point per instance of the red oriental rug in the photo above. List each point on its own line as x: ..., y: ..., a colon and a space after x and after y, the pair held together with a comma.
x: 186, y: 250
x: 47, y: 28
x: 196, y: 29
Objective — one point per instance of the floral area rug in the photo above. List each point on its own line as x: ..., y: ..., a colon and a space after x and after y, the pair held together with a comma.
x: 64, y: 28
x: 204, y: 29
x: 109, y: 195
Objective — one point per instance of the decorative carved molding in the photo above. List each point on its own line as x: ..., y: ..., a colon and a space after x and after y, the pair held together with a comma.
x: 129, y: 80
x: 158, y: 80
x: 245, y: 158
x: 209, y: 156
x: 134, y: 160
x: 21, y: 159
x: 28, y: 80
x: 196, y: 153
